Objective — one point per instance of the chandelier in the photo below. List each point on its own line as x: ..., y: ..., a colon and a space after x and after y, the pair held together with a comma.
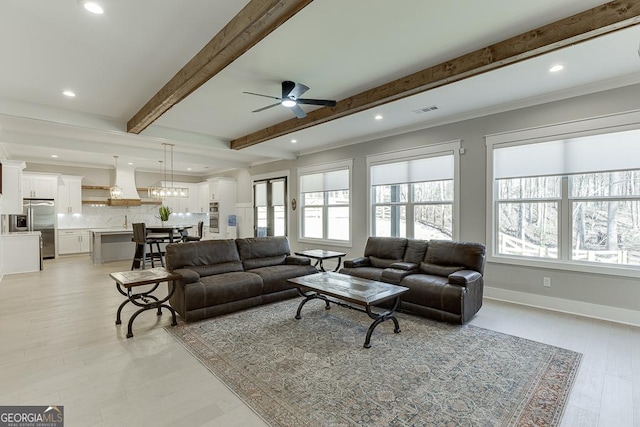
x: 115, y: 191
x: 166, y: 190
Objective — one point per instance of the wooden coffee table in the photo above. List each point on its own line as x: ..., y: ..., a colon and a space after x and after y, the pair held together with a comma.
x: 345, y: 290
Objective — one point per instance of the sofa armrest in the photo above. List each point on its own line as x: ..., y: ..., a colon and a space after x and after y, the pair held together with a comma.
x: 395, y: 275
x: 464, y: 277
x: 297, y: 260
x: 406, y: 266
x: 362, y: 261
x: 188, y: 276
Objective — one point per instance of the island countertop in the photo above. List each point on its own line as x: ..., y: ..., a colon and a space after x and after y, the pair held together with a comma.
x: 111, y: 230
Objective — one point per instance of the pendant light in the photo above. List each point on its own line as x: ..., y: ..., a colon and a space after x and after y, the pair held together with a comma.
x: 166, y: 190
x: 115, y: 191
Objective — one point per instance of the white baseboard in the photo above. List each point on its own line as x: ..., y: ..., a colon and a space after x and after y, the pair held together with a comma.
x: 595, y: 311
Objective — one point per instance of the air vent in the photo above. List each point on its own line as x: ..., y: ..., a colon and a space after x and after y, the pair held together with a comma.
x: 426, y: 109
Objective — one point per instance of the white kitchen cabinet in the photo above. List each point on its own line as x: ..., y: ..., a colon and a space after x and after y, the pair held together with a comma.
x: 73, y: 241
x: 21, y: 251
x: 203, y: 198
x: 12, y: 186
x: 69, y: 198
x: 39, y: 186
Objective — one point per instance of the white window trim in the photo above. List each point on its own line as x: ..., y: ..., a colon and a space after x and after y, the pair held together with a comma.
x: 319, y: 168
x: 432, y: 150
x: 591, y: 126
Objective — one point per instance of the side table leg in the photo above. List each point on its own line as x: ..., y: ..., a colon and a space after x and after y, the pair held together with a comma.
x: 119, y: 313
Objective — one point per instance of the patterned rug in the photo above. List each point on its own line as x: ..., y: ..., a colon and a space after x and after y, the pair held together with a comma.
x: 315, y: 372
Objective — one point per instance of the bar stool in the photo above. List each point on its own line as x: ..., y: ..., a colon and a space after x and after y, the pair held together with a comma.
x: 141, y: 240
x: 187, y: 238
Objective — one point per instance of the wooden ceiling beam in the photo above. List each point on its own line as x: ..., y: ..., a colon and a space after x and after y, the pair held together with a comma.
x: 578, y: 28
x: 252, y: 24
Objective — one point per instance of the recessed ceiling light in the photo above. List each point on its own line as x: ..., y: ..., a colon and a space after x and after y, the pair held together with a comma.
x: 189, y: 169
x: 293, y: 141
x: 556, y: 68
x: 68, y: 93
x: 92, y: 7
x: 130, y: 163
x: 378, y: 117
x: 55, y: 156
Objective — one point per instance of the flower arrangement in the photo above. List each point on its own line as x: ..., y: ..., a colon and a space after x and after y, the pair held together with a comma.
x: 164, y: 213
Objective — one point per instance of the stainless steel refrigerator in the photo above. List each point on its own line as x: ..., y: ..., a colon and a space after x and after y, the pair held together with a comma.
x: 41, y: 216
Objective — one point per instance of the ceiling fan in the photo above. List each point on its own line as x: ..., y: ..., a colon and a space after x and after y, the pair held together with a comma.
x: 290, y: 98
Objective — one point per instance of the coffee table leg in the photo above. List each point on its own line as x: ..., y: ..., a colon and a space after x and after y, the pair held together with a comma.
x: 308, y: 297
x: 379, y: 318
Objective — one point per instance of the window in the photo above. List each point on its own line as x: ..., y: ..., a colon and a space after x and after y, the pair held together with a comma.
x: 325, y: 203
x: 270, y: 213
x: 573, y: 200
x: 412, y: 193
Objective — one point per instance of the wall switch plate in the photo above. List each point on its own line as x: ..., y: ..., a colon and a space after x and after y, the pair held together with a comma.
x: 546, y: 282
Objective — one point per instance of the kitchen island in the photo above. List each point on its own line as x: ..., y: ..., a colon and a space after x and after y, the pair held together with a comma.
x: 20, y: 252
x: 111, y: 244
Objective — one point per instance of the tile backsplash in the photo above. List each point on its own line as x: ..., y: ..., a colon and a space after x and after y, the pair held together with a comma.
x: 114, y: 217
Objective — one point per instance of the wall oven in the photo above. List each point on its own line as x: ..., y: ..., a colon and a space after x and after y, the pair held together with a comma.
x: 214, y: 217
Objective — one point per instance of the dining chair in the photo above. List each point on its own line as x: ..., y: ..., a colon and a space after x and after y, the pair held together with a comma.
x: 187, y: 238
x: 141, y: 240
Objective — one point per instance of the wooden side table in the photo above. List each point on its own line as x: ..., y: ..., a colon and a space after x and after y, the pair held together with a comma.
x: 131, y: 279
x: 320, y: 255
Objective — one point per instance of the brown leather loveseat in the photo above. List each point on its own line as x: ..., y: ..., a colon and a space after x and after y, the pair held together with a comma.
x: 444, y: 277
x: 223, y: 276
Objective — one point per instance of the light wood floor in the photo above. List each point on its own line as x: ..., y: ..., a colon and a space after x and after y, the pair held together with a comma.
x: 60, y: 346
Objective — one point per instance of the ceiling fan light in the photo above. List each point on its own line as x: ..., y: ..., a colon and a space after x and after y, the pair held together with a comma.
x: 288, y: 103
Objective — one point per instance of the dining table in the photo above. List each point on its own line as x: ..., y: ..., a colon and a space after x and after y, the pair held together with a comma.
x: 168, y: 233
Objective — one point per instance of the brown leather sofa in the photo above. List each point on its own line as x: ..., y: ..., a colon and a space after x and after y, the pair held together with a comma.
x: 223, y: 276
x: 444, y: 277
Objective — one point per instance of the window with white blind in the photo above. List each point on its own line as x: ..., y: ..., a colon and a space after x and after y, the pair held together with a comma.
x: 325, y: 202
x: 573, y: 200
x: 413, y: 192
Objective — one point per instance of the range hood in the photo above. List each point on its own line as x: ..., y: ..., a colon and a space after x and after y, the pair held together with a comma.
x: 125, y: 179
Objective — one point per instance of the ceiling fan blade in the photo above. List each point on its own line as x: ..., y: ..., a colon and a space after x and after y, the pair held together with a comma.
x: 298, y: 90
x: 298, y: 112
x: 287, y: 87
x: 259, y: 94
x: 265, y: 108
x: 327, y: 102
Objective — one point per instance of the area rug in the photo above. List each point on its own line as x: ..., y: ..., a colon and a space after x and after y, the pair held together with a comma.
x: 315, y: 371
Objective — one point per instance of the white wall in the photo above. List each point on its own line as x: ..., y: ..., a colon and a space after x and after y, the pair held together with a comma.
x: 615, y: 292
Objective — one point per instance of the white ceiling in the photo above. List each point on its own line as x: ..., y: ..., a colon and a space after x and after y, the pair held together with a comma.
x: 117, y: 61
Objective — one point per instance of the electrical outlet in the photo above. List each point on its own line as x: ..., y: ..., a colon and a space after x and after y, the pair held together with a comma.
x: 546, y: 282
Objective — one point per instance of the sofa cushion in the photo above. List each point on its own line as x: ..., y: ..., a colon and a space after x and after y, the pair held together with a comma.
x: 434, y: 292
x: 274, y: 277
x: 439, y: 270
x: 205, y: 257
x: 449, y: 253
x: 384, y: 251
x: 416, y: 250
x: 257, y: 252
x: 372, y: 273
x: 221, y: 289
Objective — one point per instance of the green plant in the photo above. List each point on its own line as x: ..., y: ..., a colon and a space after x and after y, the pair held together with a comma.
x: 164, y: 213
